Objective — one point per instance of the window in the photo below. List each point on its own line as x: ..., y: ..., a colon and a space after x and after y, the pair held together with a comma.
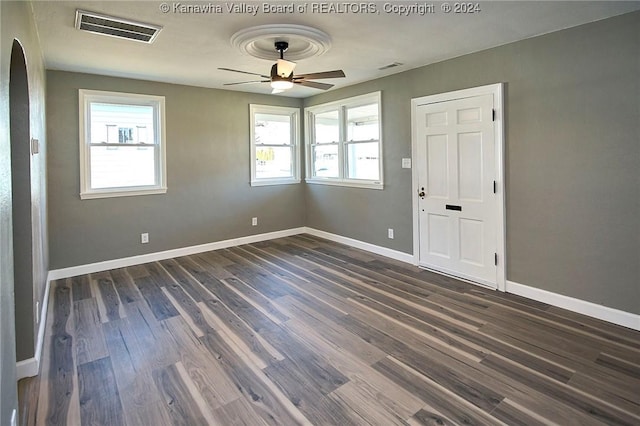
x: 344, y: 144
x: 274, y: 145
x: 122, y: 149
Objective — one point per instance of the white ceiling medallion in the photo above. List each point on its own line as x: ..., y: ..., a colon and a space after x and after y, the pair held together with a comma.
x: 304, y: 42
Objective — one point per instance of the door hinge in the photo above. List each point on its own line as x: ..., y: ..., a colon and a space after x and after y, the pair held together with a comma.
x: 495, y: 187
x: 493, y: 115
x: 495, y: 258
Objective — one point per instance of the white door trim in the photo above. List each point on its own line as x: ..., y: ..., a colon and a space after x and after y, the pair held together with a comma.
x: 498, y: 101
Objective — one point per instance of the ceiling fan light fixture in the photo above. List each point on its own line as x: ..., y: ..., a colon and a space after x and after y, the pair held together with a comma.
x: 281, y: 84
x: 285, y: 68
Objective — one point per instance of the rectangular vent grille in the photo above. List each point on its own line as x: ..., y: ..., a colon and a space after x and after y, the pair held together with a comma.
x: 116, y: 27
x: 393, y: 65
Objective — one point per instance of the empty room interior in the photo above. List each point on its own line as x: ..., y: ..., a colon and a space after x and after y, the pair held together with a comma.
x: 319, y: 213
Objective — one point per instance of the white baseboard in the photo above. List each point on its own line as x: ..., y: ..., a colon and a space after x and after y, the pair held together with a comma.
x: 27, y: 368
x: 73, y: 271
x: 383, y: 251
x: 594, y: 310
x: 31, y: 367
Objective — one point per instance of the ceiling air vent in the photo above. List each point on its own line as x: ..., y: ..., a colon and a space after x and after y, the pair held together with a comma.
x: 116, y: 27
x: 393, y: 65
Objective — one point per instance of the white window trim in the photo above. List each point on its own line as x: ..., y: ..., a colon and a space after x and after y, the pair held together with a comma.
x: 294, y: 114
x: 341, y: 106
x: 85, y: 97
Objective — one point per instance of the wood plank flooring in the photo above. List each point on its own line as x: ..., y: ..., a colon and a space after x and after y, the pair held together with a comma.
x: 304, y: 331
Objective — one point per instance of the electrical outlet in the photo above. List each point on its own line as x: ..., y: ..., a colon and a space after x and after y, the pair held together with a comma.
x: 390, y: 233
x: 144, y: 238
x: 254, y: 221
x: 406, y: 163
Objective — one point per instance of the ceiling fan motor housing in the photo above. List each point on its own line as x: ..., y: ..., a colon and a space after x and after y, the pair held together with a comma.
x: 284, y: 68
x: 277, y: 77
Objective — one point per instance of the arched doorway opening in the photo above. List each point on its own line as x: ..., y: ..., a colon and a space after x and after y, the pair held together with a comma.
x: 21, y: 202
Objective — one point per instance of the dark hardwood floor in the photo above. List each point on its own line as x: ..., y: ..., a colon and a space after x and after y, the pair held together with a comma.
x: 305, y: 331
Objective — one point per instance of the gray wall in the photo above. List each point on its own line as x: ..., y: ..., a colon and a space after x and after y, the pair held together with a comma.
x: 572, y: 159
x: 208, y: 199
x: 17, y: 23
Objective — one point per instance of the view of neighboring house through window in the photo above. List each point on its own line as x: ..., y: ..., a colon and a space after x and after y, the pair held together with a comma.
x: 121, y: 144
x: 327, y: 144
x: 344, y: 143
x: 363, y: 142
x: 274, y: 145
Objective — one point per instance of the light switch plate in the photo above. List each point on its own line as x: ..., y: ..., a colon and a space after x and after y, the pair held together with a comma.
x: 406, y: 163
x: 35, y: 146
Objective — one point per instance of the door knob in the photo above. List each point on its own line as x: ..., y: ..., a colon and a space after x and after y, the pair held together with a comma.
x: 421, y: 194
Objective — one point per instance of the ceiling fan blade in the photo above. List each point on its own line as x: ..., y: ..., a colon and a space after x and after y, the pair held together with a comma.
x: 247, y: 82
x: 244, y: 72
x: 285, y: 68
x: 314, y: 84
x: 320, y: 75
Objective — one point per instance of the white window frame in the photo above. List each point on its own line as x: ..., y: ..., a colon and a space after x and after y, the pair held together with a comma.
x: 86, y: 98
x: 343, y: 144
x: 294, y: 116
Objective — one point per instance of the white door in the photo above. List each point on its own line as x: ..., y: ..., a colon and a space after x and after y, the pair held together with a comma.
x: 456, y: 167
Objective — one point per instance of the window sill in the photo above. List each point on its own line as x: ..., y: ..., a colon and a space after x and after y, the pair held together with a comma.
x: 121, y: 193
x: 347, y: 183
x: 269, y: 182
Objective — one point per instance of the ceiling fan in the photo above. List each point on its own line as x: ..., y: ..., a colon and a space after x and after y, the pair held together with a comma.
x: 282, y: 77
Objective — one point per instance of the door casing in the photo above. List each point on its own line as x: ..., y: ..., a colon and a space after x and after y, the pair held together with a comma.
x: 497, y: 91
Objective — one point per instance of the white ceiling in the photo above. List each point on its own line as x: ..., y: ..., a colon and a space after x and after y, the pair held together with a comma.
x: 191, y: 47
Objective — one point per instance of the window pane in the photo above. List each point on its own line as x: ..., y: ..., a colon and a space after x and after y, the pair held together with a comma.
x: 363, y: 159
x: 273, y: 162
x: 272, y: 129
x: 327, y: 126
x: 122, y: 166
x: 362, y: 123
x: 325, y: 161
x: 115, y: 123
